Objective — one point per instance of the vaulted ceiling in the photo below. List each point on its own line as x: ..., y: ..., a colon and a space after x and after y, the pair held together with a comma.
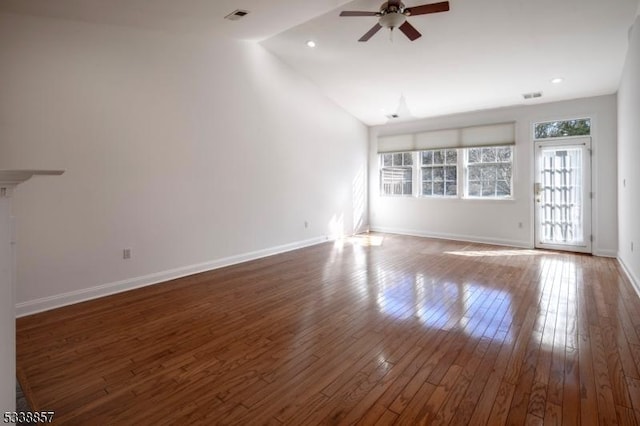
x: 480, y: 54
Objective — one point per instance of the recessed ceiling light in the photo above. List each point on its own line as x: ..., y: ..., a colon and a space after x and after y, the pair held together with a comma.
x: 311, y: 43
x: 557, y: 80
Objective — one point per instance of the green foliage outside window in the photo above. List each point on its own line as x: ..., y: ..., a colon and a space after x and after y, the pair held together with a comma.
x: 559, y: 129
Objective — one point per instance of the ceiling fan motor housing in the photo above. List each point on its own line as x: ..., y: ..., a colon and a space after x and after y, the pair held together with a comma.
x: 392, y: 15
x: 392, y: 20
x: 395, y: 6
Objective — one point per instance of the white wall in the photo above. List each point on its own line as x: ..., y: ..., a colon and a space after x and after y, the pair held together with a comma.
x: 192, y: 152
x: 498, y: 221
x: 629, y: 158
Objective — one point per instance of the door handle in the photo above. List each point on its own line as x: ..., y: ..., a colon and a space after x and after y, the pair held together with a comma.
x: 537, y: 190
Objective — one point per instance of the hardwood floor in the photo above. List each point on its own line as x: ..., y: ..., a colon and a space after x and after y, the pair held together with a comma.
x: 382, y: 329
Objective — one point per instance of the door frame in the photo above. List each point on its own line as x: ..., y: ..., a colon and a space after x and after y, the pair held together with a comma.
x: 587, y: 193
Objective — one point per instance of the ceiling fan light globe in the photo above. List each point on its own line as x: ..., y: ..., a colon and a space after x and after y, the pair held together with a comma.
x: 392, y: 20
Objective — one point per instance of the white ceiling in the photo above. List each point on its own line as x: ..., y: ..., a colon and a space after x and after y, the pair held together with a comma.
x: 267, y: 17
x: 480, y: 54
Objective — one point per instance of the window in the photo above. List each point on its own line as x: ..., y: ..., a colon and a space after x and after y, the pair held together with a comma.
x: 557, y: 129
x: 396, y: 173
x: 439, y: 171
x: 488, y: 172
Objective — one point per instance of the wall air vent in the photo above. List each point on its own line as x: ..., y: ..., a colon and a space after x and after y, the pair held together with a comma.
x: 237, y: 15
x: 532, y: 95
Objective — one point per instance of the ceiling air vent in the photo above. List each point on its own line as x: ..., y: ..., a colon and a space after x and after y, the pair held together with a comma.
x: 392, y: 116
x: 237, y: 14
x: 532, y: 95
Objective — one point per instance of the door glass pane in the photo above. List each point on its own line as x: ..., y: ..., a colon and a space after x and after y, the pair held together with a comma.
x: 561, y: 203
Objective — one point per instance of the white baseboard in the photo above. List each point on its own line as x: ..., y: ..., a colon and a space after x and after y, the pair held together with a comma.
x: 605, y: 253
x: 455, y: 237
x: 635, y: 283
x: 51, y: 302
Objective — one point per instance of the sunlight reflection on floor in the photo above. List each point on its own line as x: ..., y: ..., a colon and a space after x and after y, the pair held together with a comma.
x: 475, y: 309
x: 496, y: 253
x: 366, y: 240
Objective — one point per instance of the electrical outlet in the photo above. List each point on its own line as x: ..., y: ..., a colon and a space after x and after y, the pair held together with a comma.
x: 126, y: 253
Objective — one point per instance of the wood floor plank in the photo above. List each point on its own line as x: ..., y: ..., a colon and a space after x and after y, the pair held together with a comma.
x: 404, y: 331
x: 606, y: 403
x: 502, y: 402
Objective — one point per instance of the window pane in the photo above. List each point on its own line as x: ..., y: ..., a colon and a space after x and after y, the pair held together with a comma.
x: 438, y: 188
x: 555, y: 129
x: 452, y: 189
x: 475, y: 155
x: 451, y: 173
x: 488, y: 173
x: 474, y: 189
x: 474, y: 173
x: 504, y: 172
x: 452, y: 156
x: 488, y: 155
x: 408, y: 159
x: 397, y: 159
x: 438, y: 157
x: 503, y: 189
x: 427, y: 157
x: 504, y: 154
x: 386, y: 160
x: 427, y: 173
x: 396, y: 180
x: 438, y: 174
x: 488, y: 188
x: 427, y: 188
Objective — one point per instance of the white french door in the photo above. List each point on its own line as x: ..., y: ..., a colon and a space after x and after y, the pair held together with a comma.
x: 562, y: 191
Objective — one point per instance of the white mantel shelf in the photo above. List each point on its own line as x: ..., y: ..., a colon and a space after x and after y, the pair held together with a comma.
x: 8, y: 180
x: 14, y: 177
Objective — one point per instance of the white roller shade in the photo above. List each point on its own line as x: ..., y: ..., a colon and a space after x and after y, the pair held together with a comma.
x: 494, y: 134
x: 438, y: 139
x: 488, y: 135
x: 397, y: 143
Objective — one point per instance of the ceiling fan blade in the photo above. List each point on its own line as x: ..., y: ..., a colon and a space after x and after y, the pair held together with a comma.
x: 410, y: 31
x: 356, y: 13
x: 371, y: 32
x: 428, y: 8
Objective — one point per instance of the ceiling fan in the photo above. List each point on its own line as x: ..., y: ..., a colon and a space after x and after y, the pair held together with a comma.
x: 393, y: 14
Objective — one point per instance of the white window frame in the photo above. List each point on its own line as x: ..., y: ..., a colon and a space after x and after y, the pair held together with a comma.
x: 462, y: 175
x: 443, y: 166
x: 496, y: 163
x: 411, y: 167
